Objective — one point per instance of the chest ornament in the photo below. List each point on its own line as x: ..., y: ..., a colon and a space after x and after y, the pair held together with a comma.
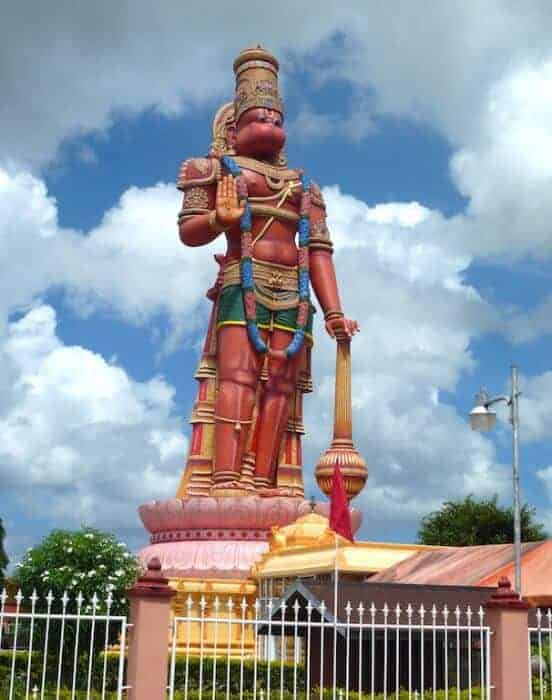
x: 246, y: 264
x: 276, y: 177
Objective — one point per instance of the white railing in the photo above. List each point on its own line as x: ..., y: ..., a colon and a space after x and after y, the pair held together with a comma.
x: 240, y: 649
x: 540, y: 657
x: 61, y: 648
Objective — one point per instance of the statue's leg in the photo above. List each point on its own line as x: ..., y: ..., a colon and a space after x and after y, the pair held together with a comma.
x: 281, y: 383
x: 238, y: 367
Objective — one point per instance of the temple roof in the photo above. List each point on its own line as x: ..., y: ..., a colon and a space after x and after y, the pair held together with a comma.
x: 307, y: 547
x: 482, y: 565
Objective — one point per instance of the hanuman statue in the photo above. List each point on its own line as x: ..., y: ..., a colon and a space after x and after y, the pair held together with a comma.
x: 247, y: 420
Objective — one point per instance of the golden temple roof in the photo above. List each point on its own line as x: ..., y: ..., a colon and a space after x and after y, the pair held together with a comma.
x: 307, y: 547
x: 305, y: 531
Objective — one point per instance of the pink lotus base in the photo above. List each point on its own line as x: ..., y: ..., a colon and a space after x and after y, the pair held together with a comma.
x: 200, y: 559
x: 200, y: 537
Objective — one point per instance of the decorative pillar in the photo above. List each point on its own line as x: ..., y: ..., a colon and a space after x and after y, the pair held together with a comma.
x: 342, y: 450
x: 507, y: 616
x: 197, y: 477
x: 150, y: 605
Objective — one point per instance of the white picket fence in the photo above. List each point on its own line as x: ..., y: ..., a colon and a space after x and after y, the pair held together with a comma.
x: 261, y: 649
x: 274, y: 650
x: 540, y: 657
x: 50, y: 647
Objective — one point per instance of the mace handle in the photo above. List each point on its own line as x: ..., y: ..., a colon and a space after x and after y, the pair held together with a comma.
x: 343, y: 415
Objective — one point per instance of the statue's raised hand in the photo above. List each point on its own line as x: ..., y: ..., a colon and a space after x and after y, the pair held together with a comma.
x: 228, y: 207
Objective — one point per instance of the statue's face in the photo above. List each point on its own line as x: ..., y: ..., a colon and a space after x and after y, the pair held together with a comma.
x: 259, y: 133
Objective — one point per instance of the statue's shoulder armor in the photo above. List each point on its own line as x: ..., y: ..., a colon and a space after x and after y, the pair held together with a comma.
x: 316, y: 196
x: 196, y: 172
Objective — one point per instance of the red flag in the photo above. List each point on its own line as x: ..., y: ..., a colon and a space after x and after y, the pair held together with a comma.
x: 340, y: 517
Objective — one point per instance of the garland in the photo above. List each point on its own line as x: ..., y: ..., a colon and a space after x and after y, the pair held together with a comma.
x: 246, y: 265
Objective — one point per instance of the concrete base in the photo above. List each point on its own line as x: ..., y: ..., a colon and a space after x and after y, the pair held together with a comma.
x: 207, y: 547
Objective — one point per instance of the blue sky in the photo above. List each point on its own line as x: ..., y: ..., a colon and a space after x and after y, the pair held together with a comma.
x: 433, y: 143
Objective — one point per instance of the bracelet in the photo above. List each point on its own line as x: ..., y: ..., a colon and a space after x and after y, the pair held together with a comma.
x: 330, y: 315
x: 214, y: 224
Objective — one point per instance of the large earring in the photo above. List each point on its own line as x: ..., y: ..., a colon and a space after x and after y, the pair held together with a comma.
x: 223, y: 121
x: 281, y: 158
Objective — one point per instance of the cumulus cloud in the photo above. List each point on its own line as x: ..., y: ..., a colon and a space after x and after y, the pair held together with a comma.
x: 310, y: 126
x: 132, y: 262
x: 417, y: 320
x: 528, y: 325
x: 78, y: 436
x: 506, y: 170
x: 488, y: 93
x: 89, y: 422
x: 536, y: 406
x: 80, y: 440
x: 545, y: 515
x: 91, y: 64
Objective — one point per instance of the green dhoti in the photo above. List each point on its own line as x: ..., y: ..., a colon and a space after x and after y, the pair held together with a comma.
x: 231, y: 312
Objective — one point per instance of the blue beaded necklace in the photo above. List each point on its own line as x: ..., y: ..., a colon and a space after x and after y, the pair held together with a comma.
x: 246, y: 264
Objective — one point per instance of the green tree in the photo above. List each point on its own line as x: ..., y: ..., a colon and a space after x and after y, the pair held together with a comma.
x: 89, y: 567
x: 85, y: 561
x: 473, y: 522
x: 4, y: 561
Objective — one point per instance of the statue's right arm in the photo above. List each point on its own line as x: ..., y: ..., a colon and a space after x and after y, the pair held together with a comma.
x: 198, y: 181
x: 196, y: 230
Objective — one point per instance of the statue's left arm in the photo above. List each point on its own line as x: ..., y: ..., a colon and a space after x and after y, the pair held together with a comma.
x: 322, y: 271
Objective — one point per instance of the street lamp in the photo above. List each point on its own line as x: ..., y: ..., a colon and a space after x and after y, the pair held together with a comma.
x: 483, y: 419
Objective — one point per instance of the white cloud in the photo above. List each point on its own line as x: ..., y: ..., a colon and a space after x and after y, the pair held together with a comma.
x: 506, y: 169
x: 536, y: 407
x: 525, y: 326
x: 487, y: 93
x: 90, y: 65
x: 104, y: 441
x: 545, y: 515
x: 79, y: 439
x: 417, y: 320
x: 310, y: 126
x: 132, y: 262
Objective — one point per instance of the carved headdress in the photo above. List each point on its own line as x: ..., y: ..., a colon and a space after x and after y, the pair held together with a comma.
x: 256, y: 81
x: 256, y: 86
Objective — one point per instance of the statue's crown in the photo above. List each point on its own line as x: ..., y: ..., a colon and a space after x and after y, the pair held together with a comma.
x: 256, y: 73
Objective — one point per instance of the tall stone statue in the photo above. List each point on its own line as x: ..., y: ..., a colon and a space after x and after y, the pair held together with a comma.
x: 243, y: 478
x: 247, y: 420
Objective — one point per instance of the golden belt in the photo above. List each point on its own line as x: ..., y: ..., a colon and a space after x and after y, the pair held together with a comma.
x: 276, y: 286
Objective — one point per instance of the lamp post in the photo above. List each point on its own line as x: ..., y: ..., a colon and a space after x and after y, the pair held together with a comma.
x: 483, y: 419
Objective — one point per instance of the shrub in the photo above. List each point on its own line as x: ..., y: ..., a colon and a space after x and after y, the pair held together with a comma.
x: 87, y: 561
